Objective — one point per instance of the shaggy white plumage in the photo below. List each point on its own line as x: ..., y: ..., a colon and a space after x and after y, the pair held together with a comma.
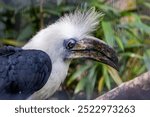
x: 74, y: 25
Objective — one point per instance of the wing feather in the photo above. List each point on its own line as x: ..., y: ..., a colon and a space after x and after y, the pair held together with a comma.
x: 22, y: 72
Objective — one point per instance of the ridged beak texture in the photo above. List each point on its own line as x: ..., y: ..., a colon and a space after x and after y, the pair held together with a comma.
x: 95, y: 49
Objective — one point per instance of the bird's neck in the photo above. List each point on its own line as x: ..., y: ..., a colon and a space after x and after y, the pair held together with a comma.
x: 58, y: 75
x: 59, y: 69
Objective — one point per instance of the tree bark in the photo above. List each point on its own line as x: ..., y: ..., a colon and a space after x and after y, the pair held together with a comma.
x: 136, y: 89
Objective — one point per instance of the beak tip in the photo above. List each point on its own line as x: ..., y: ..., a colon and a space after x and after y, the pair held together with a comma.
x: 117, y: 64
x: 114, y: 62
x: 117, y: 68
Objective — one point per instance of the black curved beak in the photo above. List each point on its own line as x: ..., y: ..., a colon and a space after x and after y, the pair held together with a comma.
x: 95, y: 49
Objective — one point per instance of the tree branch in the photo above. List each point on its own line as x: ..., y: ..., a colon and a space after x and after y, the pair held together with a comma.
x: 136, y: 89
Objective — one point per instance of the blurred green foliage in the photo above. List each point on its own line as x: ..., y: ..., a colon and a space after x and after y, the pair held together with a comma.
x: 128, y: 31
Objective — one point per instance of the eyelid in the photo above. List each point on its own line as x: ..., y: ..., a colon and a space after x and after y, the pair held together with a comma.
x: 66, y: 42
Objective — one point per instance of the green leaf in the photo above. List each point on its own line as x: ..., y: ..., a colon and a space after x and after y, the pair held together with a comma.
x: 132, y: 41
x: 66, y: 8
x: 90, y: 86
x: 11, y: 42
x: 146, y: 4
x: 77, y: 74
x: 106, y: 8
x: 26, y: 33
x: 106, y: 77
x: 120, y: 43
x: 139, y: 24
x: 114, y: 74
x: 147, y: 58
x: 133, y: 55
x: 101, y: 84
x: 80, y: 86
x: 52, y: 12
x: 6, y: 6
x: 90, y: 81
x: 108, y: 32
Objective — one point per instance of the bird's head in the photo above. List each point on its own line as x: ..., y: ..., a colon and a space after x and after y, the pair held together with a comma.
x: 70, y: 38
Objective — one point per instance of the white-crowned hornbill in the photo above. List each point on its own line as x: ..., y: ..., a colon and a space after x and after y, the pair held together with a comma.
x: 67, y: 39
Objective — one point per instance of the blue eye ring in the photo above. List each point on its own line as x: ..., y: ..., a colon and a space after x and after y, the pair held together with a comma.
x: 69, y: 44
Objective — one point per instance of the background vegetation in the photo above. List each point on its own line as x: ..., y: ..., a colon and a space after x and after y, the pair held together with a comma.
x: 125, y: 26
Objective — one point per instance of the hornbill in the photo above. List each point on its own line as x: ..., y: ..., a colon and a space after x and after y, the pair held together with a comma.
x: 66, y: 39
x: 22, y: 72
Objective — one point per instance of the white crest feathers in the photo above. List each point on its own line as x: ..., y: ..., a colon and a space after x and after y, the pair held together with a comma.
x: 72, y: 25
x: 84, y: 21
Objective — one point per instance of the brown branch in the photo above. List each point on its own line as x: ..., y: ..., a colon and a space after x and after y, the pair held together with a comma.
x: 138, y: 88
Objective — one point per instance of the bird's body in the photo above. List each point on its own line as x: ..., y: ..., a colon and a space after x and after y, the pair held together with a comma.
x: 22, y: 72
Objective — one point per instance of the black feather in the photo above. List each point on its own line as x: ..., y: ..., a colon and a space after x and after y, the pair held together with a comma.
x: 22, y: 72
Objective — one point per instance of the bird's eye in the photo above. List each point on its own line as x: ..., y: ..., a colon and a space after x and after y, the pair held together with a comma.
x: 69, y: 44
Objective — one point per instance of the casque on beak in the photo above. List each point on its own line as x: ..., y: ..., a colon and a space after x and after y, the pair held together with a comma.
x: 93, y: 48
